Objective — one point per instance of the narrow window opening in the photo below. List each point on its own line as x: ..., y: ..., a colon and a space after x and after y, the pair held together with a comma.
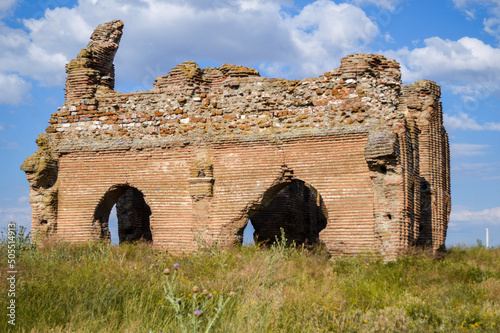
x: 248, y: 234
x: 113, y: 226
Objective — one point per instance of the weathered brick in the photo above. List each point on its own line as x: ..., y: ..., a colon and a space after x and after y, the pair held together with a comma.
x: 364, y: 168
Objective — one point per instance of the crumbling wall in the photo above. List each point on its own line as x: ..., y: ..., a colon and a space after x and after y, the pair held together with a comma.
x: 208, y: 148
x: 421, y: 103
x: 41, y: 171
x: 93, y: 68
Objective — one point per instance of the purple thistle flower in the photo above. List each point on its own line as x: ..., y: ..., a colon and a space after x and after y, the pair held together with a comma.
x: 210, y: 295
x: 176, y: 265
x: 197, y: 313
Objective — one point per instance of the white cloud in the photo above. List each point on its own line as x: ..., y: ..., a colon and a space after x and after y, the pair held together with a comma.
x: 476, y: 171
x: 487, y: 216
x: 385, y: 4
x: 20, y: 214
x: 5, y: 5
x: 447, y: 60
x: 13, y: 89
x: 492, y: 126
x: 462, y: 121
x: 22, y: 55
x: 2, y: 127
x: 324, y: 31
x: 160, y: 34
x: 492, y: 23
x: 467, y: 149
x: 468, y: 67
x: 471, y: 14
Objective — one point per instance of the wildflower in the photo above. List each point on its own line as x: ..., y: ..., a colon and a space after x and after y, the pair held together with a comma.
x: 210, y: 295
x: 205, y: 291
x: 196, y: 289
x: 232, y: 293
x: 176, y: 265
x: 197, y: 313
x: 166, y: 271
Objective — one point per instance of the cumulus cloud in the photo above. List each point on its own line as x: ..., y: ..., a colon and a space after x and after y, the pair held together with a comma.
x: 447, y: 60
x: 14, y: 89
x: 324, y: 31
x: 5, y: 5
x: 462, y: 121
x: 487, y: 216
x: 159, y: 34
x: 468, y: 67
x: 22, y: 55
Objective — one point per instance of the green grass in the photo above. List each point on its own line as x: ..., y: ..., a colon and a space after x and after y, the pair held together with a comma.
x: 99, y: 288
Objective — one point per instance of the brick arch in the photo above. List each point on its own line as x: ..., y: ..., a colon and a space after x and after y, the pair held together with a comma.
x: 133, y: 214
x: 294, y: 205
x: 206, y: 144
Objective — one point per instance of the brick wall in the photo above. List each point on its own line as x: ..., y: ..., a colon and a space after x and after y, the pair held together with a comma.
x: 208, y: 149
x: 421, y: 102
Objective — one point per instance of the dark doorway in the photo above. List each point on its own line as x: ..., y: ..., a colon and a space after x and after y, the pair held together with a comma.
x: 296, y: 207
x: 132, y: 213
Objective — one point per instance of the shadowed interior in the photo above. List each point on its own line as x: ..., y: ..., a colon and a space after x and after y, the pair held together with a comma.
x: 132, y: 212
x: 294, y: 206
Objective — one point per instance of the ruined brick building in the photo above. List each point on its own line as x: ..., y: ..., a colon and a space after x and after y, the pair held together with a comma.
x: 352, y: 158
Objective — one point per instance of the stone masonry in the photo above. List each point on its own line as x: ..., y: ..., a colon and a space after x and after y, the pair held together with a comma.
x: 352, y: 159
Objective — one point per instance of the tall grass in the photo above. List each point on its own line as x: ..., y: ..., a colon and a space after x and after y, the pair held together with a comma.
x: 101, y: 288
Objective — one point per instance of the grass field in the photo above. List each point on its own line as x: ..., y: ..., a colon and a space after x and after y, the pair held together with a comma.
x: 101, y: 288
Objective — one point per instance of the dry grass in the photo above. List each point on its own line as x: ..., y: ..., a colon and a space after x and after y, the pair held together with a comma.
x: 99, y: 288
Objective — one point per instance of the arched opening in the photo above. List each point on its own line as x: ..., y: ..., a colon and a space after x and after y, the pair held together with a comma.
x: 132, y: 213
x: 294, y: 206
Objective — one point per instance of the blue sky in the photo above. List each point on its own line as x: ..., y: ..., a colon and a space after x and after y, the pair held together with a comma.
x: 453, y: 42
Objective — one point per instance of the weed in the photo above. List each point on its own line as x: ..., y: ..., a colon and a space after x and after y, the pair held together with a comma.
x: 197, y: 310
x: 93, y: 287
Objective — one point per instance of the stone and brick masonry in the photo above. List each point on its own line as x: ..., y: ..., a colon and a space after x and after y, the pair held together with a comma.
x: 352, y: 159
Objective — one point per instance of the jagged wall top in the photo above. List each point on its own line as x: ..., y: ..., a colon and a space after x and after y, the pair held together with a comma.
x: 229, y: 102
x: 94, y: 67
x: 189, y: 73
